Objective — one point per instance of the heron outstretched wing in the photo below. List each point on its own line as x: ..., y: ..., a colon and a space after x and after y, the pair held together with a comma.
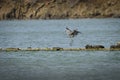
x: 72, y: 33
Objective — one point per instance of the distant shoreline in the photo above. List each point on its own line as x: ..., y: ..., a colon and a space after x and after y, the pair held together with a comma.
x: 59, y: 9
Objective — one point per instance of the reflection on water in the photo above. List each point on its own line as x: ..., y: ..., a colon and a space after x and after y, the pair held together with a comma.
x: 71, y: 41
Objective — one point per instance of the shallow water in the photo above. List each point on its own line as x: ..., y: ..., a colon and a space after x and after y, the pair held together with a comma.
x: 59, y: 65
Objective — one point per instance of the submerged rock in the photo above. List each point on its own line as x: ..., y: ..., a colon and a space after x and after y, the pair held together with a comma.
x: 115, y: 47
x: 0, y: 49
x: 31, y: 49
x: 94, y: 46
x: 118, y: 43
x: 57, y: 48
x: 12, y: 49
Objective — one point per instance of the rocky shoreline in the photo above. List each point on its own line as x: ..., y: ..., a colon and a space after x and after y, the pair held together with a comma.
x: 58, y: 9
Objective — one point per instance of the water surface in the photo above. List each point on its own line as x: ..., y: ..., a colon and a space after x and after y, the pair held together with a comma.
x: 59, y: 65
x: 51, y: 33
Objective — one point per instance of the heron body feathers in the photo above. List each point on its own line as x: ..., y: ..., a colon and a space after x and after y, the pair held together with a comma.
x: 72, y: 33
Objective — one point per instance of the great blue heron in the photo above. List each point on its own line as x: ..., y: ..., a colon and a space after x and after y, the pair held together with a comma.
x: 72, y: 33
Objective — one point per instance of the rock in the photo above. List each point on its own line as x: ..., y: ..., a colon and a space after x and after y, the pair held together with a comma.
x: 0, y: 49
x: 115, y: 47
x: 12, y: 49
x: 29, y: 49
x: 72, y: 49
x: 94, y: 46
x: 32, y: 49
x: 57, y: 48
x: 118, y: 43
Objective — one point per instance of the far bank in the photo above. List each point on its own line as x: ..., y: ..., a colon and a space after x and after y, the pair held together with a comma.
x: 59, y: 9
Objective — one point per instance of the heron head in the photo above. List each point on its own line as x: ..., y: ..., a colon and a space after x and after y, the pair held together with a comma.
x: 67, y: 28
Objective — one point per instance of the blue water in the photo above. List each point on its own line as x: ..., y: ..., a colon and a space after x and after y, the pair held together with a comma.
x: 60, y: 65
x: 51, y: 33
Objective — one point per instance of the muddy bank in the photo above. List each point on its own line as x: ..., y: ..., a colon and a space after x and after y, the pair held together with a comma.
x: 58, y: 9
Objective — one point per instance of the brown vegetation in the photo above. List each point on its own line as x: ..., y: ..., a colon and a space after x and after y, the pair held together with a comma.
x: 58, y: 9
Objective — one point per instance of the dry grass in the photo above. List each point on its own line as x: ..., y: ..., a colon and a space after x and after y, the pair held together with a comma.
x: 60, y: 8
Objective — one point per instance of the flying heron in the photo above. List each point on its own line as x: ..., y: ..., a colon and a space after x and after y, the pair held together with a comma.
x: 72, y: 33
